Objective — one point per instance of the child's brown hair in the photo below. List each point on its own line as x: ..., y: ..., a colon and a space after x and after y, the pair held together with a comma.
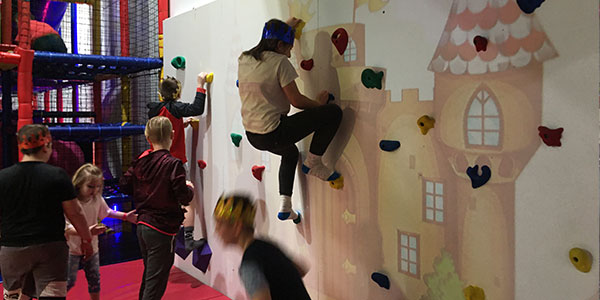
x: 170, y: 89
x: 158, y: 130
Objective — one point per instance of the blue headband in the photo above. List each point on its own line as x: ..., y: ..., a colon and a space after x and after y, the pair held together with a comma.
x: 285, y: 34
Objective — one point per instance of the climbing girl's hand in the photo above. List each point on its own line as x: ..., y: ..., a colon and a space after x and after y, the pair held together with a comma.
x: 322, y: 97
x: 202, y: 79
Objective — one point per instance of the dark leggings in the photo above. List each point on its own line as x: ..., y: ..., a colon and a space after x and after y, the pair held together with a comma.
x: 323, y: 121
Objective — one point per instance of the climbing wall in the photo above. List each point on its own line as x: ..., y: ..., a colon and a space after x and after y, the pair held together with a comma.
x: 468, y: 146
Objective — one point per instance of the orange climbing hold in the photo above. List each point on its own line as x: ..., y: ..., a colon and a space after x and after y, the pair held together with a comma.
x: 338, y: 183
x: 425, y: 123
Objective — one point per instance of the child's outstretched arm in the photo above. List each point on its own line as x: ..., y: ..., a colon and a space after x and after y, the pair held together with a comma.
x: 300, y: 101
x: 181, y: 110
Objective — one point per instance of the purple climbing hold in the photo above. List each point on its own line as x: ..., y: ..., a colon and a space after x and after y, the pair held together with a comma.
x: 476, y: 179
x: 202, y: 257
x: 387, y: 145
x: 529, y: 6
x: 381, y: 279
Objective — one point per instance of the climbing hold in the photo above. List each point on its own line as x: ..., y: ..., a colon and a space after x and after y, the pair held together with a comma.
x: 581, y: 259
x: 307, y: 64
x: 425, y: 123
x: 551, y: 137
x: 480, y: 43
x: 237, y: 83
x: 257, y: 172
x: 236, y: 138
x: 201, y: 257
x: 371, y: 79
x: 209, y: 77
x: 474, y: 293
x: 178, y: 62
x: 476, y: 179
x: 298, y: 29
x: 387, y: 145
x: 337, y: 183
x: 529, y: 6
x: 340, y: 40
x: 381, y: 279
x: 330, y: 98
x: 195, y: 123
x: 201, y: 164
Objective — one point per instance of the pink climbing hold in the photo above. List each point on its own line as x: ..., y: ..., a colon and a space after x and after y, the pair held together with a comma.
x: 201, y: 164
x: 307, y: 64
x: 257, y: 172
x: 340, y: 40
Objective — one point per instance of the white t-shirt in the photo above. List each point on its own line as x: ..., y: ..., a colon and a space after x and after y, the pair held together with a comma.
x: 93, y: 210
x: 260, y: 87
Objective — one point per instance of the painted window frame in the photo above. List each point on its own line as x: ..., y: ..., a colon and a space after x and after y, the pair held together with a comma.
x: 408, y: 248
x: 351, y: 53
x: 476, y: 96
x: 434, y: 195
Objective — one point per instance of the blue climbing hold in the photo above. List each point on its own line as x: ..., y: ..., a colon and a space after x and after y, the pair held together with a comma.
x: 387, y: 145
x: 381, y: 279
x: 529, y: 6
x: 237, y: 83
x: 476, y: 179
x: 330, y: 98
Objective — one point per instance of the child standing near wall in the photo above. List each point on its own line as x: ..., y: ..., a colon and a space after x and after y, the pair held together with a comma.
x: 88, y: 183
x: 267, y: 88
x: 159, y: 189
x: 266, y: 272
x: 175, y: 111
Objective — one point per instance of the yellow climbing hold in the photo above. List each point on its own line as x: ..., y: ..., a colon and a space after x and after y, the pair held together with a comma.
x: 425, y: 123
x: 209, y: 77
x: 474, y: 293
x: 299, y: 28
x: 195, y: 123
x: 581, y: 259
x: 337, y: 184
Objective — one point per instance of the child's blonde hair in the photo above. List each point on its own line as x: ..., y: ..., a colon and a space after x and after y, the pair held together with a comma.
x: 84, y: 173
x: 158, y: 130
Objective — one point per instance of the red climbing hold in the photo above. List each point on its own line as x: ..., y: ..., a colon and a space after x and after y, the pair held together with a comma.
x: 201, y: 164
x: 480, y: 43
x: 551, y: 137
x: 307, y: 64
x: 257, y: 172
x: 340, y: 40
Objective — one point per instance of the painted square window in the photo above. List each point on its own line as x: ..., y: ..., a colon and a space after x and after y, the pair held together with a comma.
x: 408, y: 255
x: 350, y: 53
x: 483, y: 122
x: 433, y: 201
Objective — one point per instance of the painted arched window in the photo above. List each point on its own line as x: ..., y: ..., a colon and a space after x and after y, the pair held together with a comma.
x: 350, y: 53
x: 483, y: 120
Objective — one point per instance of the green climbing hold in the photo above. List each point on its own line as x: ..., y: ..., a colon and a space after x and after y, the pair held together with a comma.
x: 236, y: 139
x: 178, y: 62
x: 371, y: 79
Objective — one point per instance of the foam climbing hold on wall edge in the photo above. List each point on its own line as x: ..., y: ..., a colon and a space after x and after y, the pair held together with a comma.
x: 476, y: 179
x: 551, y: 137
x: 209, y: 77
x: 201, y: 164
x: 257, y: 172
x: 425, y: 123
x: 388, y: 145
x: 529, y: 6
x: 180, y: 245
x: 381, y: 279
x: 474, y: 293
x: 178, y: 62
x: 581, y: 259
x: 201, y: 258
x: 371, y: 79
x: 298, y: 28
x: 338, y: 183
x: 236, y: 138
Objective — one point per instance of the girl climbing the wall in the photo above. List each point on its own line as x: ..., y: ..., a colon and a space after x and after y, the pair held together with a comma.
x: 267, y: 87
